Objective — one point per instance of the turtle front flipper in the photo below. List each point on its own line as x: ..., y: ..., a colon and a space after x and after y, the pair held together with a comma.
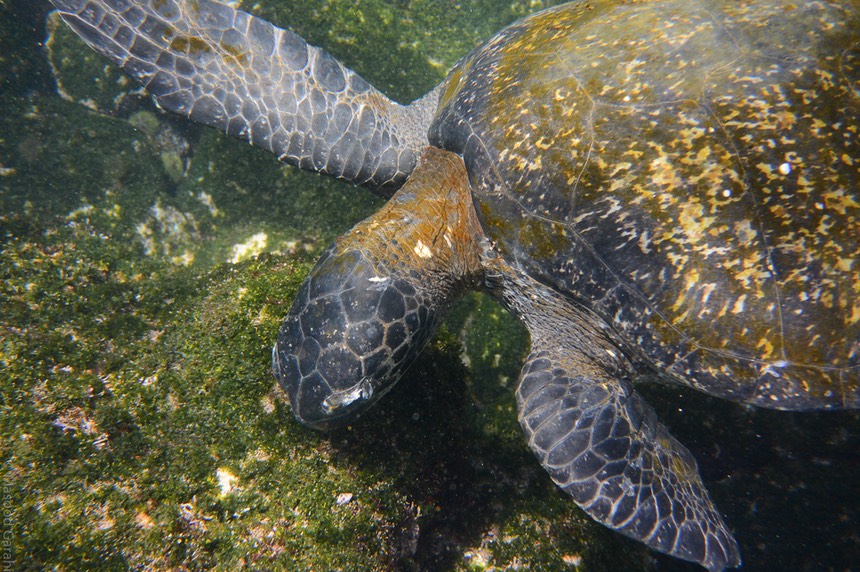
x: 600, y: 441
x: 373, y: 301
x: 227, y: 69
x: 602, y: 444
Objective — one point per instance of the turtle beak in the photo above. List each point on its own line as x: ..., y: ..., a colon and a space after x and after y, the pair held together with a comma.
x: 350, y: 335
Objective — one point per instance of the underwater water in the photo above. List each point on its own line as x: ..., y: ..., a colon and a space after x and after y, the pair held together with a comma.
x: 145, y: 266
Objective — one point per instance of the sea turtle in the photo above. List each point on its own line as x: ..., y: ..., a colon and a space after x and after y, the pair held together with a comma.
x: 660, y: 190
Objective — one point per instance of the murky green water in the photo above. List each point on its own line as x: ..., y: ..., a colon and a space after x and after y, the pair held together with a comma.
x: 141, y: 427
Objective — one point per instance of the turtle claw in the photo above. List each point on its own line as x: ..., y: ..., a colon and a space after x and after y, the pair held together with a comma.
x: 602, y: 444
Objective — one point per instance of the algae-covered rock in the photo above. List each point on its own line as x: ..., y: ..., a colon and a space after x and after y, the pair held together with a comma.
x: 142, y: 427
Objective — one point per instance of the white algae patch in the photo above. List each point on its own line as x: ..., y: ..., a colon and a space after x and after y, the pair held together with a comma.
x: 225, y: 481
x: 250, y: 248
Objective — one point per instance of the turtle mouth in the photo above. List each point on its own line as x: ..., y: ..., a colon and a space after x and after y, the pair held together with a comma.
x: 335, y: 410
x: 324, y: 425
x: 344, y: 399
x: 331, y: 422
x: 314, y: 400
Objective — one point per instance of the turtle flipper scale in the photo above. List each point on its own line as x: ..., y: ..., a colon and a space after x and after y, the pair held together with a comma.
x: 602, y: 444
x: 227, y: 69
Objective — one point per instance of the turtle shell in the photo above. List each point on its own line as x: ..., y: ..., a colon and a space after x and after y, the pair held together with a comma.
x: 689, y: 171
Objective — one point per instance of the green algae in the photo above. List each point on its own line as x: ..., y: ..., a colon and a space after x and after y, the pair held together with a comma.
x: 83, y: 76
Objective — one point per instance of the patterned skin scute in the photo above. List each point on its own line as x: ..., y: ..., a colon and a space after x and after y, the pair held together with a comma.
x: 689, y: 171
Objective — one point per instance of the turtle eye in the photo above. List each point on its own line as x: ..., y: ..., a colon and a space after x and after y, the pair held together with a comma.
x: 352, y: 331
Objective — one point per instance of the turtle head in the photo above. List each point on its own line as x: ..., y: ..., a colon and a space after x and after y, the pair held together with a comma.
x: 351, y: 333
x: 373, y: 301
